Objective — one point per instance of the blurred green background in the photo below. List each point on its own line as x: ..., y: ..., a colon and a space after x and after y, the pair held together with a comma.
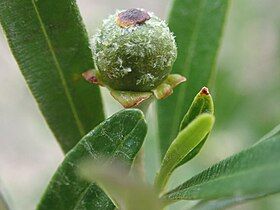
x: 246, y: 94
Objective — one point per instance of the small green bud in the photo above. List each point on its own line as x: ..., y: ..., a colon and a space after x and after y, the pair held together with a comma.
x: 133, y: 51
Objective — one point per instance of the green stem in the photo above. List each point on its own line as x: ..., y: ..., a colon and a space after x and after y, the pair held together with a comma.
x: 144, y: 106
x: 139, y: 165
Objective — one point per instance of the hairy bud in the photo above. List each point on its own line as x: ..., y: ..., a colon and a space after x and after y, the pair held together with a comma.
x: 133, y: 51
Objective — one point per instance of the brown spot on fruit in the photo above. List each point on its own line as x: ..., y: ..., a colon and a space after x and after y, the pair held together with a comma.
x: 132, y: 17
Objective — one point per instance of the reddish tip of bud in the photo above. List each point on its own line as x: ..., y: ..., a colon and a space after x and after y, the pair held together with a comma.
x: 204, y: 91
x: 132, y: 17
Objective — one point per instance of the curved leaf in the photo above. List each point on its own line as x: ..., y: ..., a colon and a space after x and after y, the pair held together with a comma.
x: 50, y: 45
x: 250, y: 173
x: 120, y: 137
x: 198, y: 27
x: 202, y: 103
x: 184, y: 143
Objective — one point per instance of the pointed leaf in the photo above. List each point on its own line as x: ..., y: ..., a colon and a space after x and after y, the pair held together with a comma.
x: 202, y: 103
x: 162, y: 91
x: 184, y: 143
x: 128, y: 191
x: 165, y: 89
x: 119, y: 137
x: 50, y: 45
x: 198, y: 26
x: 250, y: 173
x: 174, y: 80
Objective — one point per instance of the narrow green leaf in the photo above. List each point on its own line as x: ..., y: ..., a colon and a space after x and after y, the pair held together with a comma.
x: 184, y: 143
x: 119, y: 137
x: 223, y: 203
x: 202, y: 103
x: 128, y: 191
x: 50, y: 45
x: 251, y: 172
x: 198, y: 27
x: 213, y: 205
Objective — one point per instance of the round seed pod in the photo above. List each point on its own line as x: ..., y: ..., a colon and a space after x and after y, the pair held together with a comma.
x: 133, y: 51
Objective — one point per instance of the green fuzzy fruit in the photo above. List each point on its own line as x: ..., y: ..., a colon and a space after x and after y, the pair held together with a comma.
x: 133, y: 51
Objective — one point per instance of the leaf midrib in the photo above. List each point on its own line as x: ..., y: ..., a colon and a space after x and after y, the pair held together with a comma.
x: 60, y: 72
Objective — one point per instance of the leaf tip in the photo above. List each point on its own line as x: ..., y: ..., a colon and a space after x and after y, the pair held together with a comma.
x: 204, y: 91
x: 162, y: 91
